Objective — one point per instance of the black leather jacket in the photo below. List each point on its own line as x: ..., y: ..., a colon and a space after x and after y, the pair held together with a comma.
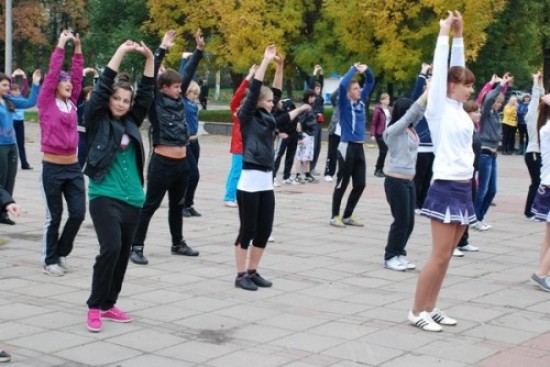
x: 257, y: 128
x: 104, y: 132
x: 167, y: 115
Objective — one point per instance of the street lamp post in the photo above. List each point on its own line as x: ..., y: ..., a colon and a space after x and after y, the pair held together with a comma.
x: 9, y: 30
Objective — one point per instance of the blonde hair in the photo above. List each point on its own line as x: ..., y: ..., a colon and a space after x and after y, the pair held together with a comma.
x: 193, y: 87
x: 384, y: 96
x: 265, y: 93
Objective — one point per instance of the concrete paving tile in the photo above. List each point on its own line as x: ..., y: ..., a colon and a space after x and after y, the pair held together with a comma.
x: 247, y: 312
x: 205, y: 304
x: 308, y: 342
x: 12, y: 330
x: 58, y: 319
x: 205, y: 321
x: 513, y: 359
x: 533, y: 322
x: 413, y: 359
x: 340, y: 270
x: 517, y: 298
x: 197, y: 352
x: 499, y: 334
x: 146, y: 340
x: 362, y: 353
x: 259, y: 333
x: 405, y: 338
x: 166, y: 313
x: 293, y: 322
x: 98, y: 353
x: 51, y: 341
x: 343, y: 330
x: 151, y: 360
x: 163, y: 296
x: 249, y: 358
x: 16, y: 311
x: 455, y: 349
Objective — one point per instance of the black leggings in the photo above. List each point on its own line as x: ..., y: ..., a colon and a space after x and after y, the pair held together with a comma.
x: 256, y: 212
x: 351, y: 165
x: 533, y: 162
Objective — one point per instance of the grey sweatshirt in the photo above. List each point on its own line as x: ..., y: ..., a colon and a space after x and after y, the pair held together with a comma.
x: 491, y: 127
x: 403, y: 146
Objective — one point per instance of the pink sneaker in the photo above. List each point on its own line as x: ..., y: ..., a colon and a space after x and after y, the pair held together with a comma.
x: 116, y: 314
x: 94, y: 320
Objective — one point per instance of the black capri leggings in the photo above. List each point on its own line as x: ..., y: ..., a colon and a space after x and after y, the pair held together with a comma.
x: 256, y: 212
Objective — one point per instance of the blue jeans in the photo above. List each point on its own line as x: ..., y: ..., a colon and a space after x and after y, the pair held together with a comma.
x: 233, y: 177
x: 487, y: 186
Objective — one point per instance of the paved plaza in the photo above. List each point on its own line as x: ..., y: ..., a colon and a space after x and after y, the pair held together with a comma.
x: 332, y: 302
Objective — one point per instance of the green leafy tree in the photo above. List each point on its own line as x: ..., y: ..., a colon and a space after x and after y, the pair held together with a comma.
x: 111, y: 23
x: 513, y: 44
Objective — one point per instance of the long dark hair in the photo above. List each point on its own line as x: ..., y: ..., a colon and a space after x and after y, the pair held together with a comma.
x: 400, y: 107
x: 9, y: 104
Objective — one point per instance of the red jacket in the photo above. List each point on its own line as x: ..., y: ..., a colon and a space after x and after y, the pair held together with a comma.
x: 236, y: 139
x: 378, y: 122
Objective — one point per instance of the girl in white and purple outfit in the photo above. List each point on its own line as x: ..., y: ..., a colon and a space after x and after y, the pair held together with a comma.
x: 541, y: 205
x: 449, y: 201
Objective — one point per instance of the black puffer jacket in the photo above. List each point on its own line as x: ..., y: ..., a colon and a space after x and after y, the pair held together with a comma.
x: 104, y: 132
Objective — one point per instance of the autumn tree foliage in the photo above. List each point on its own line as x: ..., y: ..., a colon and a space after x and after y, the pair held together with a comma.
x: 393, y: 36
x: 36, y: 26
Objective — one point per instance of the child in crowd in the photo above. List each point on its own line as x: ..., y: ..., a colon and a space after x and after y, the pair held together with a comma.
x: 307, y: 127
x: 532, y: 158
x: 490, y: 135
x: 61, y: 174
x: 402, y: 142
x: 541, y: 204
x: 449, y: 201
x: 380, y: 118
x: 352, y: 101
x: 472, y: 108
x: 509, y: 125
x: 8, y: 144
x: 115, y: 167
x: 193, y: 149
x: 236, y: 149
x: 19, y: 127
x: 523, y: 136
x: 255, y: 195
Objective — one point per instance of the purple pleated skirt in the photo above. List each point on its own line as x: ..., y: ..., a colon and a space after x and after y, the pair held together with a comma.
x: 450, y: 202
x: 541, y: 204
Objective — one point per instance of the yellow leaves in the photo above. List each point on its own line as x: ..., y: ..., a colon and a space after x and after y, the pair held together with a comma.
x: 393, y: 36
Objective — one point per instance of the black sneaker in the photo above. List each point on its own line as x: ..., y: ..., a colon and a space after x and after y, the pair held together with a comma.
x: 4, y: 356
x: 258, y: 280
x: 136, y: 256
x: 379, y: 173
x: 185, y: 212
x: 184, y: 250
x: 4, y: 218
x: 193, y: 212
x: 245, y: 283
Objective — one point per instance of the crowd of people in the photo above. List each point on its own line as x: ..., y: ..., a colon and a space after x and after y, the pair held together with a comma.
x: 442, y: 147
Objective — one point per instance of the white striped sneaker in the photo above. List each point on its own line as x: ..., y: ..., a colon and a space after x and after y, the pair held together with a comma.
x: 424, y: 321
x: 441, y: 318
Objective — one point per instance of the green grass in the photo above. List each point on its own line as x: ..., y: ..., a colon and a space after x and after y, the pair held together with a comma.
x: 31, y: 116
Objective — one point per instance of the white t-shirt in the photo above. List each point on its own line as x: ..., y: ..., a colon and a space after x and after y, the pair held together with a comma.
x: 252, y: 180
